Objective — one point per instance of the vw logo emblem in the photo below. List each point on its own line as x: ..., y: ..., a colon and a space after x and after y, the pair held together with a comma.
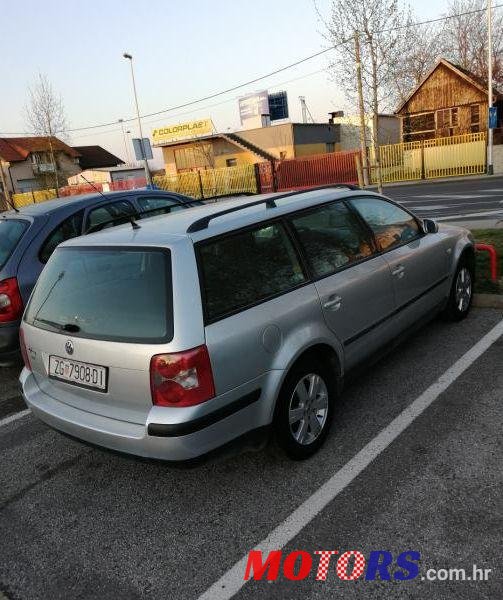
x: 69, y: 347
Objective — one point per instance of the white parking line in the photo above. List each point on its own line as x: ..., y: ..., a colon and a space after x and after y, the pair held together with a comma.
x: 15, y: 417
x: 233, y: 580
x: 468, y: 215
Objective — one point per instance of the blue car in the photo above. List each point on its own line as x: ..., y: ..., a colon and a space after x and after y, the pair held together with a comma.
x: 29, y: 235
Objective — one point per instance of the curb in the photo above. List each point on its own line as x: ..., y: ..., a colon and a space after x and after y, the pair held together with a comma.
x: 488, y: 300
x: 439, y: 180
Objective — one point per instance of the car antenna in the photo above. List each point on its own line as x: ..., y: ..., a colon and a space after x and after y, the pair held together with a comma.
x: 134, y: 224
x: 92, y: 185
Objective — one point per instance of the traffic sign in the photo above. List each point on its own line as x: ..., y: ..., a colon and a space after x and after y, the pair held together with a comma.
x: 142, y: 149
x: 493, y: 117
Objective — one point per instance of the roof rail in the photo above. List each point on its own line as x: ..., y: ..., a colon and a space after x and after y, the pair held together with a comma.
x: 203, y: 223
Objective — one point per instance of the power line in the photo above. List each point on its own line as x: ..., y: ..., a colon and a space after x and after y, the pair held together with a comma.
x: 266, y: 76
x: 210, y: 96
x: 206, y: 107
x: 444, y: 18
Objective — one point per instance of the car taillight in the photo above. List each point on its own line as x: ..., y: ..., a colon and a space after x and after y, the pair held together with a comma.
x: 11, y: 303
x: 24, y: 351
x: 182, y: 378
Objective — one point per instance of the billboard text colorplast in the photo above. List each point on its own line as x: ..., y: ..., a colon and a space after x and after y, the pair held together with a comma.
x: 182, y: 131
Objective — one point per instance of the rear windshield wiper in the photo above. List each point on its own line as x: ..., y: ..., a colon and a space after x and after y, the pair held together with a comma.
x: 68, y: 327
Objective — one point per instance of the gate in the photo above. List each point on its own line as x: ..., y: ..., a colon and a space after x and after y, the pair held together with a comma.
x: 439, y: 157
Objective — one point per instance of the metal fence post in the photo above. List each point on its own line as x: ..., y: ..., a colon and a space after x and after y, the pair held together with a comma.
x: 201, y: 189
x: 258, y: 181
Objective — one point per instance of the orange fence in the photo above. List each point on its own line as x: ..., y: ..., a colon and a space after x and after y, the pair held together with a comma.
x: 311, y: 171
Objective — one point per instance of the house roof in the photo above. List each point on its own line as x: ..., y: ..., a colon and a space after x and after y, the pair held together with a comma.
x: 470, y: 77
x: 95, y: 157
x: 19, y: 148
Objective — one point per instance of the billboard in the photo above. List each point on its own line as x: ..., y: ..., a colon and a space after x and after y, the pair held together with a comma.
x: 278, y: 106
x: 253, y: 106
x: 182, y: 131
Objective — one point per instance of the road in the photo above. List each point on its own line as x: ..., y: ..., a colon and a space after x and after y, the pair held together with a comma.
x: 458, y: 200
x: 77, y: 522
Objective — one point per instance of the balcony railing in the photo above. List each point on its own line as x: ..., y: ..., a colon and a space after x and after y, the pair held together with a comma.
x: 43, y: 168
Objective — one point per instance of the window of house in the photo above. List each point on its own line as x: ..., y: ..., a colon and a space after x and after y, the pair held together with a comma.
x: 231, y: 162
x: 391, y: 225
x: 246, y: 268
x: 475, y: 118
x: 332, y: 237
x: 419, y: 127
x: 69, y: 229
x: 447, y: 118
x: 194, y: 157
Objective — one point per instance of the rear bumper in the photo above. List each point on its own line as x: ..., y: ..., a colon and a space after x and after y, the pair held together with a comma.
x: 9, y: 341
x: 185, y: 440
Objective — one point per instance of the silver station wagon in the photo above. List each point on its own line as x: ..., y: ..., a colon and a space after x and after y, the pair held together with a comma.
x: 172, y: 337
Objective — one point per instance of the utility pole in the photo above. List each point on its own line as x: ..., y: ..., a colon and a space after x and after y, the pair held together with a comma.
x: 361, y: 107
x: 148, y: 176
x: 490, y: 168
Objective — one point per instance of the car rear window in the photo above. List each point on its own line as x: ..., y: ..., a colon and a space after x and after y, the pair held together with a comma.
x: 11, y: 231
x: 111, y: 294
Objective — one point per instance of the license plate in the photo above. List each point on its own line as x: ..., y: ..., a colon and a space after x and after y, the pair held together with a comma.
x: 84, y: 375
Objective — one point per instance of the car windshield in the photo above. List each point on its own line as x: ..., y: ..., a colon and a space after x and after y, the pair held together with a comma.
x: 106, y: 294
x: 11, y: 231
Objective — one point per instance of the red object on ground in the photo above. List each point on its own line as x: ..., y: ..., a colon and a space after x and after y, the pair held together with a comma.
x: 493, y: 258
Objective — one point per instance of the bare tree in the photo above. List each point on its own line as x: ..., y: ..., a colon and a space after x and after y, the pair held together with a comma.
x: 465, y: 38
x: 420, y: 48
x: 45, y: 115
x: 380, y: 28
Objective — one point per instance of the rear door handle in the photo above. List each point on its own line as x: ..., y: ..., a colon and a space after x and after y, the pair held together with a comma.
x: 398, y: 271
x: 334, y: 303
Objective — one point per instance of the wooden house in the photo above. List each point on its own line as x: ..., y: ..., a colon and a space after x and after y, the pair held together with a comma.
x: 449, y: 101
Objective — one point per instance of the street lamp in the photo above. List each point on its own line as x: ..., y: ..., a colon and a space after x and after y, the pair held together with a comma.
x: 147, y: 170
x: 126, y: 149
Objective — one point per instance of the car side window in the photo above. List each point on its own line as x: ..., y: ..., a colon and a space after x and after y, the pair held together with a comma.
x: 109, y: 215
x: 158, y: 205
x: 246, y: 268
x: 67, y: 230
x: 392, y: 226
x: 332, y: 237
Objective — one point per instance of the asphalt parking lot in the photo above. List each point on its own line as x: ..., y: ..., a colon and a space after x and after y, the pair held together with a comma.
x: 77, y: 522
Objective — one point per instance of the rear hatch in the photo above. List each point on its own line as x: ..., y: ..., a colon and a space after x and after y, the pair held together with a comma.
x: 92, y: 324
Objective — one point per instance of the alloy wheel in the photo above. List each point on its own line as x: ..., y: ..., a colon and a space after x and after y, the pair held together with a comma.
x: 463, y: 289
x: 308, y: 409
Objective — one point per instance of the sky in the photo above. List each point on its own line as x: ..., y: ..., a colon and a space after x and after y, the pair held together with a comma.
x: 182, y: 51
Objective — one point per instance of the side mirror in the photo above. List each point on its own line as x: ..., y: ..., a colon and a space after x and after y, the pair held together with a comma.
x: 430, y: 226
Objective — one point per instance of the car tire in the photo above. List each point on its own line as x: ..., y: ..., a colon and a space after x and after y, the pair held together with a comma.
x: 308, y: 397
x: 461, y: 295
